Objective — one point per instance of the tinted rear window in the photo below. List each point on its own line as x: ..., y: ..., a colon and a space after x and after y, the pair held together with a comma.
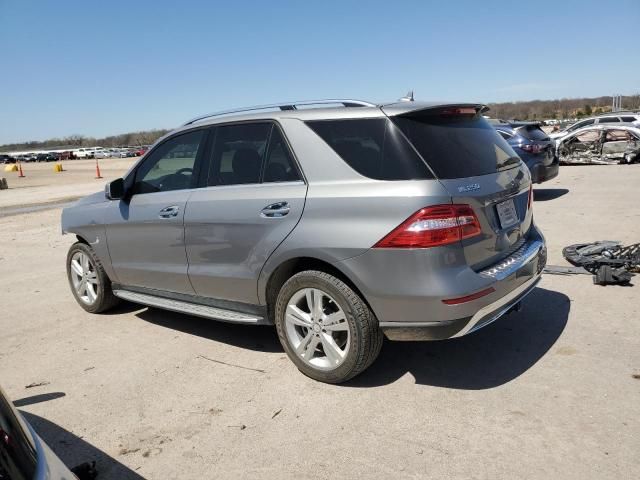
x: 373, y: 147
x: 533, y: 133
x: 456, y: 146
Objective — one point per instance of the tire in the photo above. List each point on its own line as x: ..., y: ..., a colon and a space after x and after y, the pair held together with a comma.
x: 98, y: 296
x: 310, y: 336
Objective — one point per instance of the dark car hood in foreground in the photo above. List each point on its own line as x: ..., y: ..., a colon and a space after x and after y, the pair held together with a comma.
x: 23, y: 455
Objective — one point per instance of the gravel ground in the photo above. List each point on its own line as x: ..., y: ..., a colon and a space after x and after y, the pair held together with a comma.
x: 552, y: 391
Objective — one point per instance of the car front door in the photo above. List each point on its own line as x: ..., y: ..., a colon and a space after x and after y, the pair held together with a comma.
x: 145, y: 231
x: 253, y: 199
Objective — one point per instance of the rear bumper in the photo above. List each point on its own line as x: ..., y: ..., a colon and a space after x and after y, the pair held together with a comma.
x: 409, y: 305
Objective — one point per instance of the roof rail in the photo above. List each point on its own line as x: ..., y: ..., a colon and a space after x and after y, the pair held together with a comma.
x: 283, y: 107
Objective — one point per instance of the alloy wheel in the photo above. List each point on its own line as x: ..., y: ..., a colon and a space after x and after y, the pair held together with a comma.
x: 84, y: 277
x: 317, y: 328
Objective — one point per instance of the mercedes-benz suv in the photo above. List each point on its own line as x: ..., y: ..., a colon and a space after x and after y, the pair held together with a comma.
x: 335, y: 221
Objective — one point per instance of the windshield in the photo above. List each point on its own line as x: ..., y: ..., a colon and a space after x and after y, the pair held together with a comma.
x: 17, y: 453
x: 457, y: 145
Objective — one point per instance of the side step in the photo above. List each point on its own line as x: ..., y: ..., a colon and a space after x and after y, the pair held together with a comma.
x: 189, y: 308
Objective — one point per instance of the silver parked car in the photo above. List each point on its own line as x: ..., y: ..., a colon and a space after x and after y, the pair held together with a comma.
x: 336, y: 223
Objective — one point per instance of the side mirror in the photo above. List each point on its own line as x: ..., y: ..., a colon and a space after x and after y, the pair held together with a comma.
x: 115, y: 190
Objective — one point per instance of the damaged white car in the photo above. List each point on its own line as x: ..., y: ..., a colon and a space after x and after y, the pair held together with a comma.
x: 600, y: 144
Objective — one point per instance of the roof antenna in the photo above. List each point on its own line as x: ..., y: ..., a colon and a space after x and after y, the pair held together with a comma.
x: 408, y: 97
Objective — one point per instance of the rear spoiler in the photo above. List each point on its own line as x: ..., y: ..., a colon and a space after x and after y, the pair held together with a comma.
x: 405, y: 108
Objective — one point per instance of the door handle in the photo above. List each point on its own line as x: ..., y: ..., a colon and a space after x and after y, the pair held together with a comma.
x: 275, y: 210
x: 169, y: 212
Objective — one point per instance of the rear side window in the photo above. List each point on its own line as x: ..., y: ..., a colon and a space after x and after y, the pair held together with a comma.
x: 458, y: 145
x: 628, y: 119
x: 609, y: 120
x: 533, y: 133
x: 373, y: 147
x: 237, y: 153
x: 279, y: 166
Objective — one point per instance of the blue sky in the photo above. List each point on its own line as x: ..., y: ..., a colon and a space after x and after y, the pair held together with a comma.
x: 106, y: 67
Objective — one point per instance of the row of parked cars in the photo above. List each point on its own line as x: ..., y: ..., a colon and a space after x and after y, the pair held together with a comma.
x: 119, y: 152
x: 81, y: 153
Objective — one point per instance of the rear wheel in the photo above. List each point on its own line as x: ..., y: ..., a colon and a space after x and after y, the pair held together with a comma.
x: 89, y: 283
x: 327, y: 330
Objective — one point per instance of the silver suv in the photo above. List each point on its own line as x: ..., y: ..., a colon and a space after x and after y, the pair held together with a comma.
x: 337, y: 221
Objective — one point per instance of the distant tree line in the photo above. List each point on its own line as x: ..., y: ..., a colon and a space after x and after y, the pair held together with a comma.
x: 529, y: 110
x: 77, y: 141
x: 559, y: 109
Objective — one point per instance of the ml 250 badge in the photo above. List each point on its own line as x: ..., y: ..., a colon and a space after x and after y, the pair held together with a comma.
x: 469, y: 188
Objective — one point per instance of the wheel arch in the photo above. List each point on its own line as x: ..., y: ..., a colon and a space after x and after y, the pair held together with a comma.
x: 290, y: 267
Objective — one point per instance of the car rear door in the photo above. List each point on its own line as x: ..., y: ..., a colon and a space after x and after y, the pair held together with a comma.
x: 145, y: 231
x: 253, y: 198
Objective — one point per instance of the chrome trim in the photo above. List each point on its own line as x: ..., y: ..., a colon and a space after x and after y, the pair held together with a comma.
x: 189, y: 308
x: 498, y: 308
x: 513, y: 262
x: 284, y: 106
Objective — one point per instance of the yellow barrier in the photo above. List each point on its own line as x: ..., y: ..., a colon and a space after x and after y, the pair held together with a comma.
x: 58, y: 168
x: 11, y: 168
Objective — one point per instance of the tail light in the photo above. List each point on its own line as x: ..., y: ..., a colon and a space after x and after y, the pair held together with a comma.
x: 433, y: 227
x: 458, y: 111
x: 531, y: 147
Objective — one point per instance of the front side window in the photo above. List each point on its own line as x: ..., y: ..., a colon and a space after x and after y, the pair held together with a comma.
x: 237, y: 155
x: 588, y: 137
x: 171, y: 165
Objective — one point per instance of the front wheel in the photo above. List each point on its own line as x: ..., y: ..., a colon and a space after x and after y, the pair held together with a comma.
x: 325, y: 328
x: 89, y: 283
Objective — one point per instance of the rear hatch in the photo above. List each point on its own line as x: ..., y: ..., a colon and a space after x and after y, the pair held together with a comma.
x: 478, y: 168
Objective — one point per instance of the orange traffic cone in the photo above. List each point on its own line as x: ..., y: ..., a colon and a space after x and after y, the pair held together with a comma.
x: 98, y: 170
x: 20, y: 175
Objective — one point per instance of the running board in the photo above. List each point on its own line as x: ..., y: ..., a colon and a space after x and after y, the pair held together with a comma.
x: 189, y: 308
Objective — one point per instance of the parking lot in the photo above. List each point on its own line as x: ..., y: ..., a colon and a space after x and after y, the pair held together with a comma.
x: 552, y: 391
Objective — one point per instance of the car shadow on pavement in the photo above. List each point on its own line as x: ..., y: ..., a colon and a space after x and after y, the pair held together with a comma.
x: 544, y: 194
x: 73, y: 450
x: 262, y: 338
x: 488, y: 358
